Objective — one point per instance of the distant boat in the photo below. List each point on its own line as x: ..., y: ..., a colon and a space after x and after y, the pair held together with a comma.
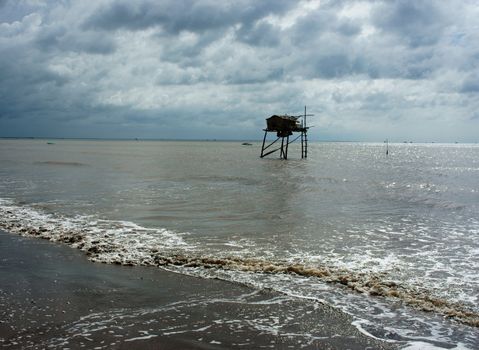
x: 247, y: 144
x: 50, y: 143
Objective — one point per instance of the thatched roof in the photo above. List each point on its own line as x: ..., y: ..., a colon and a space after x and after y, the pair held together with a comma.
x: 285, y: 117
x: 283, y: 124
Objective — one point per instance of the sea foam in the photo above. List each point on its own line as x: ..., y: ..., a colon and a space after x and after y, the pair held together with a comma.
x: 126, y: 243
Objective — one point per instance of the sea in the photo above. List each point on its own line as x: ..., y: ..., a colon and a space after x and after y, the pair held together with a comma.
x: 386, y: 233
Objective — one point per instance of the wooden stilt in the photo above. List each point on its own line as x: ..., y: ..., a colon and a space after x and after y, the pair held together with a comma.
x: 287, y: 143
x: 264, y: 140
x: 302, y: 144
x: 305, y: 144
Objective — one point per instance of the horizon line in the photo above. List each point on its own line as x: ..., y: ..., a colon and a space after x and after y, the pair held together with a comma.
x: 211, y: 140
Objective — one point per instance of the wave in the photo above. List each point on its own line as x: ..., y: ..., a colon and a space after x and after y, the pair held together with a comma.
x: 54, y: 162
x: 425, y: 194
x: 125, y: 243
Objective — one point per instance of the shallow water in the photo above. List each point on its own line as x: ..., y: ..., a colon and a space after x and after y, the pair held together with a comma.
x: 391, y: 240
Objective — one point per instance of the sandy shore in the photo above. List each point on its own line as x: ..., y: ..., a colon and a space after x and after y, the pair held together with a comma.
x: 51, y: 296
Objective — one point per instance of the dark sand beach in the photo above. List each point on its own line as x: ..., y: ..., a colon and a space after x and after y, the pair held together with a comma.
x: 51, y: 296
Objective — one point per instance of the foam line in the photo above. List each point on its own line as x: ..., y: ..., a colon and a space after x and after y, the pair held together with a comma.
x: 125, y: 243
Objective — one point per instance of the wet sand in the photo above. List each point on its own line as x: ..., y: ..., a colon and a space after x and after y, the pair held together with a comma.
x: 51, y: 296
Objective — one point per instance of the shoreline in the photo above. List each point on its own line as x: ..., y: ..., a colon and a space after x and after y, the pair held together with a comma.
x: 52, y: 296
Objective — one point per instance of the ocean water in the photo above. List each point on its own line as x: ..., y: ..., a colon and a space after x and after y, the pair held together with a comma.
x: 392, y: 240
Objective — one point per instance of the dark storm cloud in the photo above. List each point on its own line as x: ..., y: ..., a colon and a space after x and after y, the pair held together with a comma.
x: 176, y: 16
x: 25, y: 84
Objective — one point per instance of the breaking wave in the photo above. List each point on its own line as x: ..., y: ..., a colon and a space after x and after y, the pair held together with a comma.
x: 125, y: 243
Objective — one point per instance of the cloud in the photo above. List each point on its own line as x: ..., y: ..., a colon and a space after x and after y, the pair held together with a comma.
x: 177, y: 16
x: 203, y: 68
x: 416, y: 23
x: 471, y: 84
x: 260, y: 34
x: 60, y: 38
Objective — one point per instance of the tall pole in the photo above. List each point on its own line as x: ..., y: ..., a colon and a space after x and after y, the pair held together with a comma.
x: 305, y: 136
x: 304, y: 116
x: 302, y: 144
x: 305, y: 144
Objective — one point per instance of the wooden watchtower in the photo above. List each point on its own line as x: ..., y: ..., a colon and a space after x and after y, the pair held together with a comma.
x: 285, y: 126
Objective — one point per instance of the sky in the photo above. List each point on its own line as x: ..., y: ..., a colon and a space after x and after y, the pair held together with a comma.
x: 181, y: 69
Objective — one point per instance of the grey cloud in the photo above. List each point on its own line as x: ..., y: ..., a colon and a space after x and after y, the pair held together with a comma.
x: 185, y: 54
x: 377, y: 101
x: 471, y: 84
x: 331, y: 46
x: 332, y: 66
x: 24, y: 74
x: 176, y: 16
x: 15, y: 11
x: 50, y: 37
x: 63, y: 39
x: 254, y: 77
x: 260, y: 34
x: 128, y: 15
x: 326, y: 46
x: 417, y: 23
x: 30, y: 90
x: 331, y: 58
x: 93, y: 45
x: 322, y: 21
x: 313, y: 25
x: 348, y: 28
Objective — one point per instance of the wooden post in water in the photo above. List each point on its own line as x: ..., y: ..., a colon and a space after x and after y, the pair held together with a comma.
x: 302, y: 142
x: 305, y: 137
x: 287, y: 144
x: 264, y: 140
